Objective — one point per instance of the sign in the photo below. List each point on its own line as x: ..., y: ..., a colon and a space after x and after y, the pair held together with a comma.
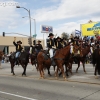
x: 46, y: 29
x: 35, y: 35
x: 90, y: 29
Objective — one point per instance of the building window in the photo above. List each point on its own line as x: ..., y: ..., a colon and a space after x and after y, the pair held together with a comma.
x: 6, y: 50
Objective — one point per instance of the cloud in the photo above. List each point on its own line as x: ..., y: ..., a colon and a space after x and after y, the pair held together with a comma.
x: 68, y: 9
x: 71, y: 26
x: 8, y: 14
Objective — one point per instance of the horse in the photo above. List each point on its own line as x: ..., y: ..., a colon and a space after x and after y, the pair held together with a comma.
x: 60, y: 58
x: 43, y: 62
x: 1, y: 54
x: 23, y: 61
x: 82, y: 56
x: 96, y: 61
x: 69, y: 60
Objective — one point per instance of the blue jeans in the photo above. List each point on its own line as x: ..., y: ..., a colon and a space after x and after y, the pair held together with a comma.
x: 17, y: 54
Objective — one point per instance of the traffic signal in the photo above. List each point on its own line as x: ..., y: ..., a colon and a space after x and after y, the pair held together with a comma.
x: 34, y: 42
x: 3, y: 34
x: 29, y: 41
x: 47, y: 42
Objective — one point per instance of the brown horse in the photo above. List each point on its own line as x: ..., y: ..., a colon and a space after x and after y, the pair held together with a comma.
x: 82, y: 57
x: 60, y: 58
x: 43, y: 62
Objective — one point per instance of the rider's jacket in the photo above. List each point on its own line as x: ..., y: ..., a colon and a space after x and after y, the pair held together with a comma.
x: 18, y: 47
x: 50, y: 43
x: 59, y: 45
x: 38, y: 47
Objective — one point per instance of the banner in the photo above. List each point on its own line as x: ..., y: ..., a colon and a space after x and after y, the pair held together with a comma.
x: 90, y: 29
x: 46, y: 29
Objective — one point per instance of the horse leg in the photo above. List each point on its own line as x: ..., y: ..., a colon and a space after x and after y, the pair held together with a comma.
x: 84, y: 66
x: 70, y: 68
x: 12, y: 68
x: 0, y: 65
x: 62, y: 69
x: 49, y: 71
x: 54, y: 67
x: 66, y: 66
x: 24, y: 73
x: 78, y: 66
x: 56, y: 73
x: 40, y: 69
x: 24, y: 68
x: 95, y: 73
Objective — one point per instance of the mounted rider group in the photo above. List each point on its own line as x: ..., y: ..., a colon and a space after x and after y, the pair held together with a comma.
x: 76, y: 44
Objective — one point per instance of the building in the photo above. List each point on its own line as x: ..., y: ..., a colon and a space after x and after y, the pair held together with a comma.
x: 6, y: 43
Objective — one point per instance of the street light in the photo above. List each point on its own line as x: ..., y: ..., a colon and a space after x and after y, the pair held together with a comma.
x: 29, y: 18
x: 34, y: 26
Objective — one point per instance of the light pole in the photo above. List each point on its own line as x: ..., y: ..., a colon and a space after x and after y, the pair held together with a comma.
x: 34, y: 26
x: 29, y: 19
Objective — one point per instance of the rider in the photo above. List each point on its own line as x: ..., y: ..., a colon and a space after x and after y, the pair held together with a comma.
x: 58, y: 43
x: 64, y: 42
x: 38, y: 47
x: 51, y: 44
x: 18, y: 49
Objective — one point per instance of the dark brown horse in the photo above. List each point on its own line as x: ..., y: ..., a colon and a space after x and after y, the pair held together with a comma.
x: 23, y: 61
x: 82, y: 56
x: 1, y: 54
x: 96, y: 61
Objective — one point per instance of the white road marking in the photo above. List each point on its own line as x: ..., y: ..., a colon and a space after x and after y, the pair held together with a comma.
x: 17, y: 95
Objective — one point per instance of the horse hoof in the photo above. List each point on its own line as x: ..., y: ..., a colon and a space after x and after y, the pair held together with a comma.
x: 96, y: 77
x: 85, y: 72
x: 65, y: 79
x: 76, y: 71
x: 13, y: 74
x: 56, y: 78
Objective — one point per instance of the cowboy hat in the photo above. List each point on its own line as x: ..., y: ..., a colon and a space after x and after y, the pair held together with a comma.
x: 58, y: 38
x: 39, y: 41
x: 51, y: 34
x: 19, y: 42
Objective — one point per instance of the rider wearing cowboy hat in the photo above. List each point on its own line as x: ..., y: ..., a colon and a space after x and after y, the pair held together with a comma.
x: 51, y: 42
x: 38, y: 46
x: 64, y: 42
x: 18, y: 48
x: 58, y: 43
x: 51, y: 46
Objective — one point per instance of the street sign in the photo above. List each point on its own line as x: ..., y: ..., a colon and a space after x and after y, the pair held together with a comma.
x: 46, y: 29
x: 35, y: 35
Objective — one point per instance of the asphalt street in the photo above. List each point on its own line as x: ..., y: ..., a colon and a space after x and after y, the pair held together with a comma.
x: 79, y: 86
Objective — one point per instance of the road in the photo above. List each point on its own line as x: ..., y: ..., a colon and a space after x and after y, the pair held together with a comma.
x: 79, y: 86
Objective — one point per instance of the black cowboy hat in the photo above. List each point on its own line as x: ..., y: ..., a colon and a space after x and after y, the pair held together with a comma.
x: 50, y: 34
x: 39, y: 41
x: 58, y: 38
x: 19, y: 42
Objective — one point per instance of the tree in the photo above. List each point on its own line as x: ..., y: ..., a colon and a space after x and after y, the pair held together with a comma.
x: 65, y: 35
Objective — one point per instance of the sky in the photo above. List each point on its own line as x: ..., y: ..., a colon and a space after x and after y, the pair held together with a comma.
x: 62, y: 15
